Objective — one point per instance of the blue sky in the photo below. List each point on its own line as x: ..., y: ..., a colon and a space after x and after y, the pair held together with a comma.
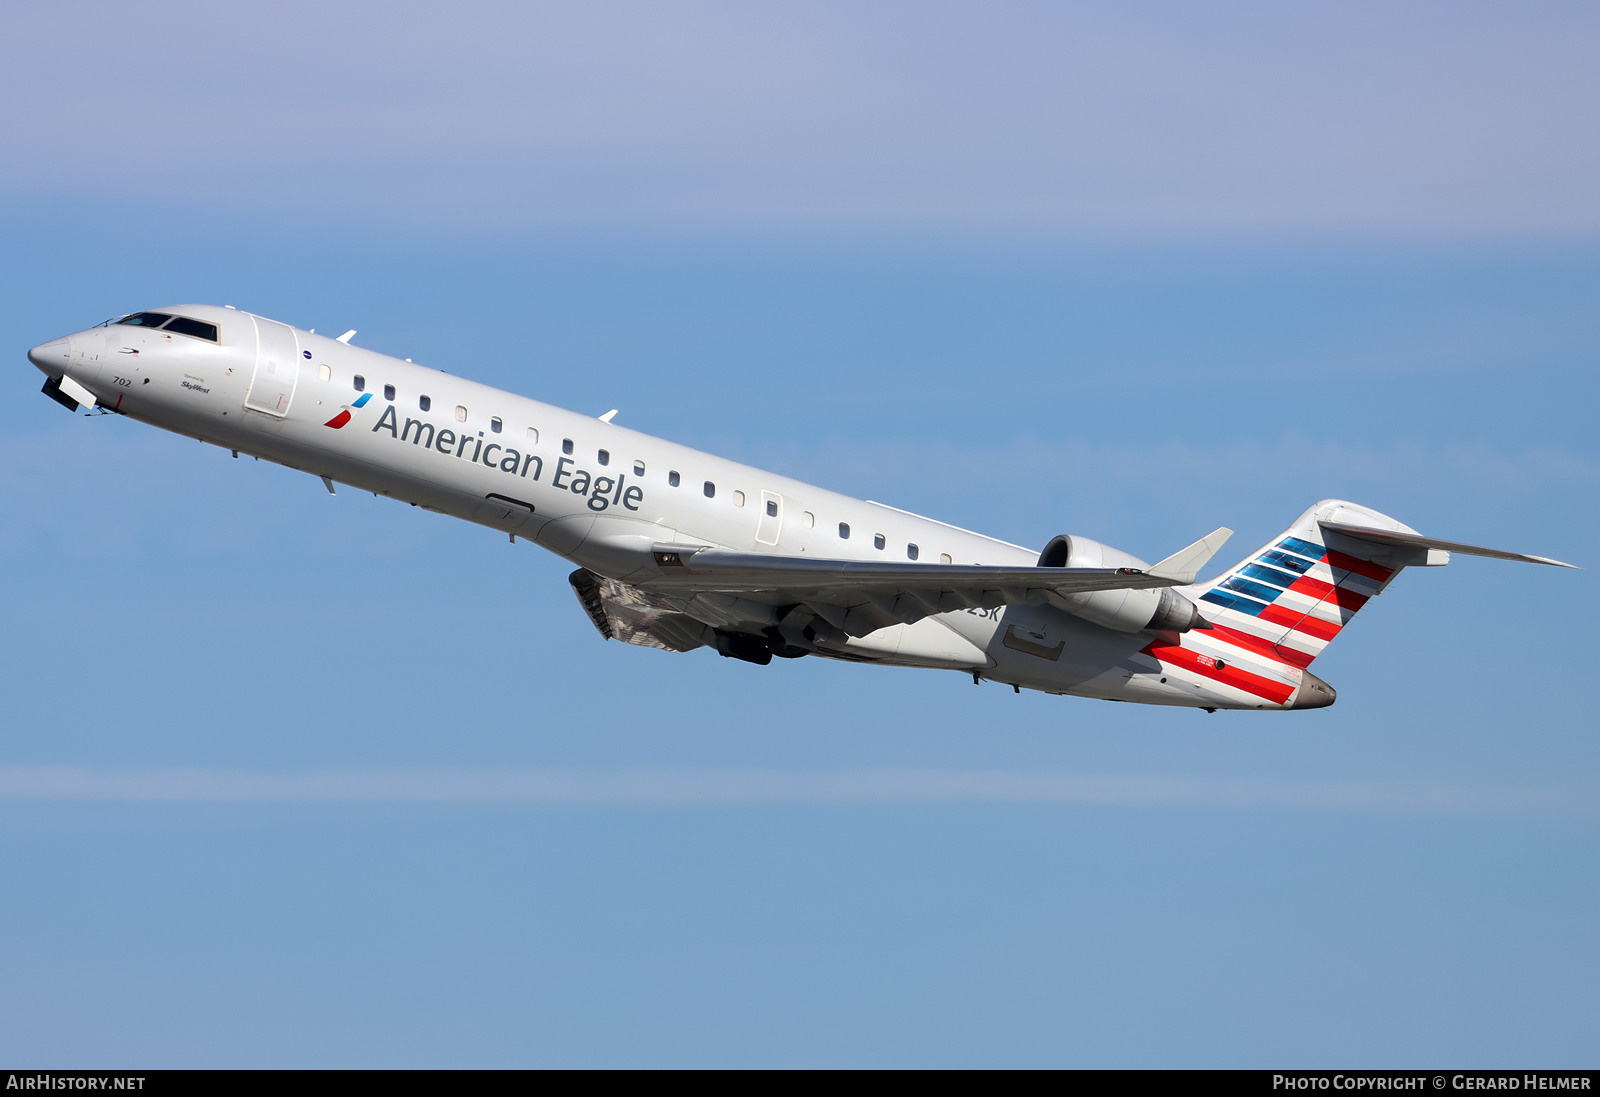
x: 297, y: 780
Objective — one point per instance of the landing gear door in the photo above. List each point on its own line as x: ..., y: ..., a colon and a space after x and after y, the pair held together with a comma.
x: 277, y: 368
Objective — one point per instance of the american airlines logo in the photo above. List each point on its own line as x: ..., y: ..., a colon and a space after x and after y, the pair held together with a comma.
x: 344, y: 415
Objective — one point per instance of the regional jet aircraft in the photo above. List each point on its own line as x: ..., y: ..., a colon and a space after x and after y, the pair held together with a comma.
x: 677, y: 549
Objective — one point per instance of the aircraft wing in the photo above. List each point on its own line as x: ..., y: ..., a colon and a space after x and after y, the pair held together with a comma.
x: 858, y: 597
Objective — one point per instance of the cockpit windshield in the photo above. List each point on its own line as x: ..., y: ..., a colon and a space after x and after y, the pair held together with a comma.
x: 183, y: 325
x: 197, y: 328
x: 146, y: 319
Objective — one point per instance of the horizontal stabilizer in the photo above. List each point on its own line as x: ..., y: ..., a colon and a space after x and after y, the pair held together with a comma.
x: 1416, y: 540
x: 1182, y: 566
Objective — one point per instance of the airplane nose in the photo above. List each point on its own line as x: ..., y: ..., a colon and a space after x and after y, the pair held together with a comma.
x: 52, y: 357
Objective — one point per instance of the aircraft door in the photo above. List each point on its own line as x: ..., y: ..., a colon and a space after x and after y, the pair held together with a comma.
x: 769, y: 526
x: 277, y: 368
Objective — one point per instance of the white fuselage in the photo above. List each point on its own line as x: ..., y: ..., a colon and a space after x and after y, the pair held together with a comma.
x: 594, y: 492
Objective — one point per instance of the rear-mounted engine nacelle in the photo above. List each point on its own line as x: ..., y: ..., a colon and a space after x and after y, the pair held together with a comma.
x: 1159, y: 610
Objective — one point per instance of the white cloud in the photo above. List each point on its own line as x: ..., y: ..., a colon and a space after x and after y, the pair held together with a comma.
x: 688, y: 788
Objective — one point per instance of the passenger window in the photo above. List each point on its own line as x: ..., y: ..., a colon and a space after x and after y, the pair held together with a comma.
x: 533, y: 436
x: 425, y: 403
x: 325, y: 372
x: 738, y: 498
x: 360, y: 383
x: 672, y: 478
x: 911, y: 552
x: 844, y: 531
x: 566, y: 446
x: 772, y: 508
x: 878, y: 540
x: 807, y: 519
x: 388, y: 392
x: 711, y: 490
x: 494, y: 426
x: 604, y: 457
x: 638, y: 468
x: 461, y: 413
x: 944, y: 558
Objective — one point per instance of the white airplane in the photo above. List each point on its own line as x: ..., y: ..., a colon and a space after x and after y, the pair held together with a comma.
x: 677, y: 549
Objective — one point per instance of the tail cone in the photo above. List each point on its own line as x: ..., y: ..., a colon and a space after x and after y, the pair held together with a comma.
x: 1314, y: 693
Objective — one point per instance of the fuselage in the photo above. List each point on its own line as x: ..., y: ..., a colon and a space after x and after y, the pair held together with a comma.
x: 595, y: 492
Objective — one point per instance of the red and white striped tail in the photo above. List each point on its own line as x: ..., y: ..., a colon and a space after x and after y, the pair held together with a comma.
x: 1294, y: 595
x: 1272, y: 613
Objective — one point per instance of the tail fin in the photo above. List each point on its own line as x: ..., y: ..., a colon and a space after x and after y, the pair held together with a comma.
x: 1292, y: 597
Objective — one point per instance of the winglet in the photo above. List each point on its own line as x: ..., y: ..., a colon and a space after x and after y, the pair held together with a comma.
x: 1186, y: 563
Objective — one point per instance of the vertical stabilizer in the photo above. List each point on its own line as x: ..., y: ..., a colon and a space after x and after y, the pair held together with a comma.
x: 1294, y: 595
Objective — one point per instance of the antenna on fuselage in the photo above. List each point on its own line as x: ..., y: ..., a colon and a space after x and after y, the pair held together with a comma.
x: 606, y: 418
x: 345, y: 338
